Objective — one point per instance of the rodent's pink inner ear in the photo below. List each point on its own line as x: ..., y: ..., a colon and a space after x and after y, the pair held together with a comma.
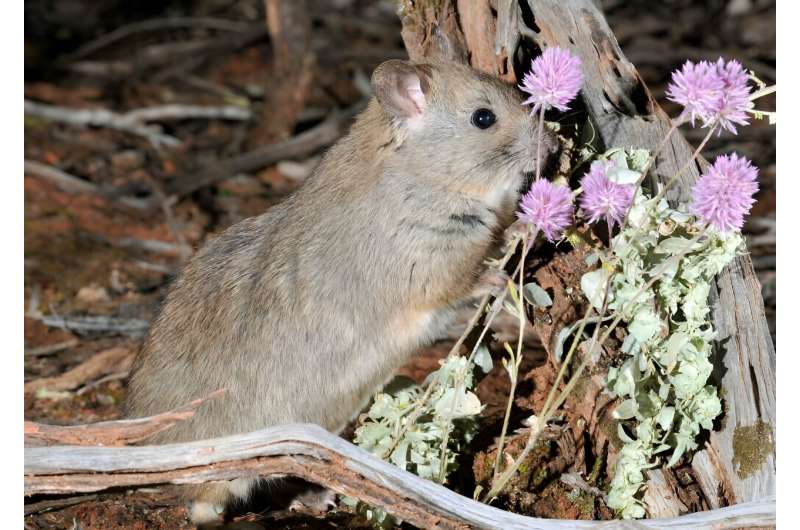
x: 408, y: 97
x: 397, y: 87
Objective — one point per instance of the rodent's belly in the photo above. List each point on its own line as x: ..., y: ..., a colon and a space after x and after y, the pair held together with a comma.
x: 376, y: 363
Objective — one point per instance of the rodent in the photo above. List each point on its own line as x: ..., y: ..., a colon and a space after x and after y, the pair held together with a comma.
x: 305, y: 311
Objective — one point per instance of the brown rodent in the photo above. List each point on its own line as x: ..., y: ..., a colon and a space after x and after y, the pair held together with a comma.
x: 303, y: 313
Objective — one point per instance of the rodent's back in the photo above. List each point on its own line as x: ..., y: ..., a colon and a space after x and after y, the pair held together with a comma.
x: 301, y: 313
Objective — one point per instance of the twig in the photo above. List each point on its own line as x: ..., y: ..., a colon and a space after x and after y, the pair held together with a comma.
x: 298, y: 146
x: 61, y: 179
x: 132, y: 326
x: 100, y: 364
x: 100, y: 118
x: 156, y: 25
x: 116, y: 376
x: 50, y: 349
x: 134, y: 121
x: 170, y: 54
x: 186, y: 112
x: 149, y: 245
x: 55, y: 504
x: 311, y: 453
x: 72, y: 184
x: 113, y: 433
x: 574, y: 480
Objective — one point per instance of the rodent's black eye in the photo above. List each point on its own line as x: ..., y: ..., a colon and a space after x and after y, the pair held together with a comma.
x: 483, y: 118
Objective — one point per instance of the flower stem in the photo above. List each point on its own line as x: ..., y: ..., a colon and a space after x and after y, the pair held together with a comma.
x: 686, y: 164
x: 547, y: 412
x: 516, y: 360
x: 539, y: 144
x: 763, y: 92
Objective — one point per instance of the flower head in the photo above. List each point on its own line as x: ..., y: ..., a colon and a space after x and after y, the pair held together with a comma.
x: 554, y: 79
x: 548, y: 207
x: 716, y: 93
x: 723, y: 195
x: 732, y: 102
x: 696, y: 87
x: 602, y: 198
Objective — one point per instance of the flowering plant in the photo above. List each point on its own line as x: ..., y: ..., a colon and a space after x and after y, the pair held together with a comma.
x: 653, y: 279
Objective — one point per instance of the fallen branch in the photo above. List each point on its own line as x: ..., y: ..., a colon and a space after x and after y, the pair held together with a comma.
x: 50, y: 349
x: 311, y: 453
x: 111, y: 433
x: 74, y: 185
x: 135, y: 121
x: 298, y: 146
x: 134, y: 327
x: 100, y: 118
x: 57, y: 504
x: 100, y: 364
x: 156, y: 25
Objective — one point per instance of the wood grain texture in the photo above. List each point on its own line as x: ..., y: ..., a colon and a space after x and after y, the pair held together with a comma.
x: 312, y: 453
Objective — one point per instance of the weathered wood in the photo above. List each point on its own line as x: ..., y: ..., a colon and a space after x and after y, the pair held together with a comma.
x: 111, y: 433
x: 310, y: 452
x: 738, y: 463
x: 107, y: 361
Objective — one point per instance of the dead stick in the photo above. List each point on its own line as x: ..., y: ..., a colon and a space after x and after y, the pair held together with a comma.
x: 298, y: 146
x: 113, y: 433
x: 310, y: 452
x: 100, y: 364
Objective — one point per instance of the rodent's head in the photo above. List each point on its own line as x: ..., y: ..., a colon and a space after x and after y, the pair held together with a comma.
x: 467, y: 130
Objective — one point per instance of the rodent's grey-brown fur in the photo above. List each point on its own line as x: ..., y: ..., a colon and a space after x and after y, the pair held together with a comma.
x: 303, y: 313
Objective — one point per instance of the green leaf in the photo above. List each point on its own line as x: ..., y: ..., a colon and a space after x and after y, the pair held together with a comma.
x: 593, y: 285
x: 536, y: 296
x: 622, y: 175
x: 645, y: 325
x: 626, y: 410
x: 454, y: 405
x: 483, y: 359
x: 665, y: 417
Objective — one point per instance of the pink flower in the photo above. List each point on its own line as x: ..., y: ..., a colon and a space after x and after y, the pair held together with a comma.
x: 554, y: 79
x: 716, y: 93
x: 603, y: 198
x: 731, y: 103
x: 548, y: 207
x: 696, y: 87
x: 723, y: 195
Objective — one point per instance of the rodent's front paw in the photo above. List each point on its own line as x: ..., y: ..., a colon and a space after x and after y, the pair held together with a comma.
x: 492, y: 282
x: 517, y: 230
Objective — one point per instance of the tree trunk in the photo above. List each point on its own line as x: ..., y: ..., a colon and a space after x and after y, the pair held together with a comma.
x: 498, y: 36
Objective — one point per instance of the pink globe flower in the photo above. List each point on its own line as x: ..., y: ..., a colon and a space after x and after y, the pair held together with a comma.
x: 548, y: 207
x: 603, y: 198
x: 554, y: 80
x: 723, y: 195
x: 716, y: 93
x: 696, y: 87
x: 732, y: 102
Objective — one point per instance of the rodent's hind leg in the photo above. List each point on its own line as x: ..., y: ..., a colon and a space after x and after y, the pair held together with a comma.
x: 315, y: 498
x: 209, y: 502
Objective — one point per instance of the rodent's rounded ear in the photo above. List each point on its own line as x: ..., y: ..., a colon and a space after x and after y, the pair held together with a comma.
x: 401, y: 88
